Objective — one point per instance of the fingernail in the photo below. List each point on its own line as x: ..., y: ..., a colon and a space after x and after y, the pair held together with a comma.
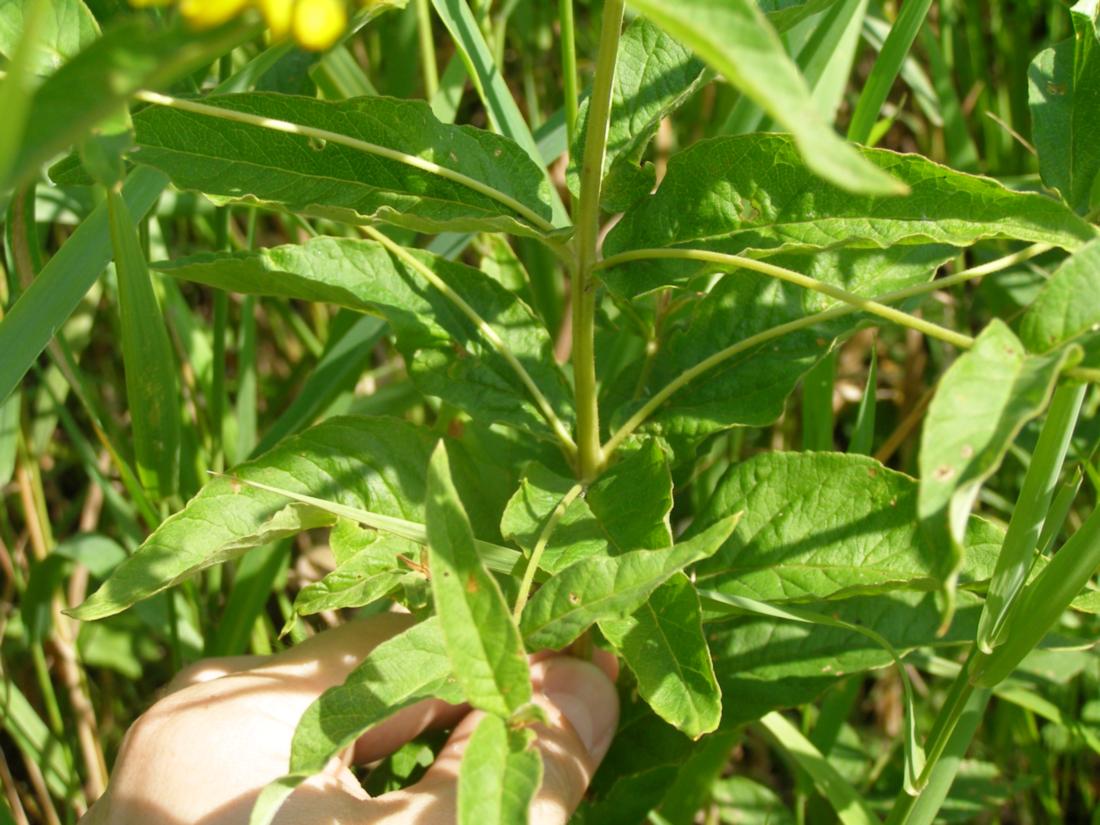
x: 587, y: 699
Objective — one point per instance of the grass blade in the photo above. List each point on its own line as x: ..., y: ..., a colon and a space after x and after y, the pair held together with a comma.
x: 55, y: 293
x: 151, y: 387
x: 1028, y: 516
x: 489, y: 82
x: 886, y: 68
x: 849, y: 806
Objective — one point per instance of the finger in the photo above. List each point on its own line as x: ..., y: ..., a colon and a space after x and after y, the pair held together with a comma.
x: 583, y: 712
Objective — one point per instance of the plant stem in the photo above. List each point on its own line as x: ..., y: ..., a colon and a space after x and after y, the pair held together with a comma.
x: 540, y: 547
x: 798, y: 279
x: 569, y: 67
x: 486, y: 330
x: 689, y: 375
x: 590, y: 457
x: 427, y: 49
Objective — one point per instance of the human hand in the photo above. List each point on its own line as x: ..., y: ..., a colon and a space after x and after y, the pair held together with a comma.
x: 201, y: 754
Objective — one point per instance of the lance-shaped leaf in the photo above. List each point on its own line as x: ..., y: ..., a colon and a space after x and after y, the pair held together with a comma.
x: 151, y: 387
x: 610, y: 587
x: 654, y: 76
x: 1068, y: 308
x: 447, y: 355
x: 736, y: 39
x: 452, y: 178
x: 1063, y: 87
x: 374, y: 464
x: 627, y: 508
x: 364, y: 578
x: 750, y: 387
x: 481, y: 637
x: 500, y: 773
x: 982, y: 402
x: 405, y: 669
x: 754, y: 193
x: 825, y: 526
x: 764, y: 664
x: 662, y: 642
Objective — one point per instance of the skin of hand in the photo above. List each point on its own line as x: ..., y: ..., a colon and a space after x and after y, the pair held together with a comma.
x: 201, y: 754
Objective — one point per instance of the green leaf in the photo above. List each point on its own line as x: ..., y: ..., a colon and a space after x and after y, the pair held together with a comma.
x: 627, y: 508
x: 492, y: 88
x: 405, y: 669
x: 785, y: 14
x: 51, y: 298
x: 654, y: 76
x: 850, y: 807
x: 752, y: 194
x: 402, y: 165
x: 750, y: 389
x: 364, y: 578
x: 99, y: 82
x: 1088, y: 602
x: 885, y: 71
x: 446, y: 354
x: 608, y: 587
x: 1063, y: 89
x: 763, y: 664
x: 375, y: 464
x: 66, y: 28
x: 152, y: 391
x: 1068, y: 308
x: 825, y: 526
x: 1042, y: 603
x: 981, y: 404
x: 662, y: 643
x: 482, y: 640
x: 500, y: 773
x: 735, y: 38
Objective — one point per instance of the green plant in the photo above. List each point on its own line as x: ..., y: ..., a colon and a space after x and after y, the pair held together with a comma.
x: 577, y: 471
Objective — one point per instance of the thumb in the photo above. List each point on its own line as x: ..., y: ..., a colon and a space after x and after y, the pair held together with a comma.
x: 582, y: 708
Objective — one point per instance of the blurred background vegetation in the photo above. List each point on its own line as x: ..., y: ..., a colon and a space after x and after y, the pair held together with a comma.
x: 254, y: 370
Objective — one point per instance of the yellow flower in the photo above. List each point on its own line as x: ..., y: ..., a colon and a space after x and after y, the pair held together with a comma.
x: 317, y: 24
x: 279, y: 15
x: 208, y: 13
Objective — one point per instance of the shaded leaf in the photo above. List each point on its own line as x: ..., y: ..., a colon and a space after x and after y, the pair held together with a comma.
x: 764, y: 665
x: 446, y: 354
x: 750, y: 388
